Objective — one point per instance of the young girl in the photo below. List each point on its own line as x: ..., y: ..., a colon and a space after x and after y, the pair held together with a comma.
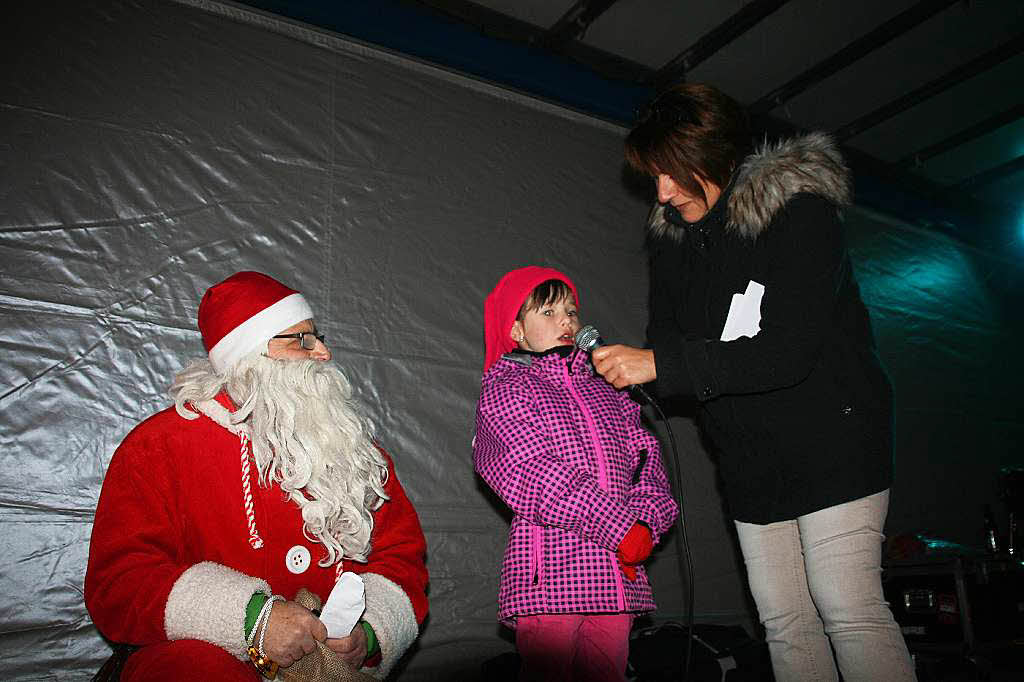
x: 566, y: 452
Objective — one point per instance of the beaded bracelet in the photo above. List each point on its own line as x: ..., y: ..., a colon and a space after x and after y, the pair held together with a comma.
x: 266, y: 667
x: 259, y: 618
x: 266, y: 624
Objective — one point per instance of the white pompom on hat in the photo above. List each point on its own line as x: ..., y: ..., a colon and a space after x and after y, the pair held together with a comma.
x: 241, y: 314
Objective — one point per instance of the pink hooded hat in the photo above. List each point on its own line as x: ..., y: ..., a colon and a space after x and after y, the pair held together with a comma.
x: 503, y: 303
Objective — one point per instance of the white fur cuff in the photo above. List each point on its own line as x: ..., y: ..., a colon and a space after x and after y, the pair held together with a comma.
x: 208, y: 602
x: 389, y: 612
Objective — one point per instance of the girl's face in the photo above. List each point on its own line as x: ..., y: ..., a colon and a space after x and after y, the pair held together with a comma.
x: 553, y: 324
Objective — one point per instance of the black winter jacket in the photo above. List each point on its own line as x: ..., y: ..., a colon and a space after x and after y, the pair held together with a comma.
x: 801, y: 413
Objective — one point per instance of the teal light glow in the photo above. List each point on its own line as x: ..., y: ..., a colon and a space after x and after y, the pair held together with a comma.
x: 940, y: 546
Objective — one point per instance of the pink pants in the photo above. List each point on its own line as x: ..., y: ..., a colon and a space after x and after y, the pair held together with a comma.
x: 565, y: 647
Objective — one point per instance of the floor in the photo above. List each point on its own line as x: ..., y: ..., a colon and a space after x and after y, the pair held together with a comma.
x: 1005, y: 664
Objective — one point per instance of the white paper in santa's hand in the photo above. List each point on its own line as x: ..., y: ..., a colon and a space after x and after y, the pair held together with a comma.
x: 344, y: 606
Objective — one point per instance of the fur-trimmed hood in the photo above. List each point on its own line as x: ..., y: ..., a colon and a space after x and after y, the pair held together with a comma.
x: 768, y: 179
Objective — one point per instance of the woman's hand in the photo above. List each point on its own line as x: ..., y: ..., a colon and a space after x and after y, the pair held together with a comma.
x: 292, y: 632
x: 351, y: 649
x: 623, y: 366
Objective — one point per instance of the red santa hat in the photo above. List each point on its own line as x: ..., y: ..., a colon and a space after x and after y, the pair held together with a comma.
x: 241, y: 314
x: 503, y: 304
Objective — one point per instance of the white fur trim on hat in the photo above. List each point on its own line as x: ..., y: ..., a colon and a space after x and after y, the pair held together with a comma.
x: 208, y: 602
x: 389, y: 612
x: 254, y: 333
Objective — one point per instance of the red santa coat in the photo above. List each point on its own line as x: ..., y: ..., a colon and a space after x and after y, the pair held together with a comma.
x: 170, y: 556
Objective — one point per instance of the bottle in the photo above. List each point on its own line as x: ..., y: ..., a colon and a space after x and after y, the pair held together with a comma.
x: 991, y: 532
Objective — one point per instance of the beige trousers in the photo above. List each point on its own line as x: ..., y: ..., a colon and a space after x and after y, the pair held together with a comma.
x: 816, y: 581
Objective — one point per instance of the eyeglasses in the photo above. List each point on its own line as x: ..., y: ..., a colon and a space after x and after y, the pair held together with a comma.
x: 306, y: 339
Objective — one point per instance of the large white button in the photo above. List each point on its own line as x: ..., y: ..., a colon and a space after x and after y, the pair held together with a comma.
x: 297, y: 559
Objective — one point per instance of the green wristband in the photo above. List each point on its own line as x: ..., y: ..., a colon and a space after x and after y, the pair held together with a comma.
x: 252, y: 612
x: 371, y: 639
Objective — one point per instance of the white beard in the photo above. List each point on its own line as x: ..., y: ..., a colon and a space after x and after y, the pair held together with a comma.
x: 309, y: 436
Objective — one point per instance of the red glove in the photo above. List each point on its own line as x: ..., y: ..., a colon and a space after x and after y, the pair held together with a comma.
x: 636, y: 546
x: 634, y: 549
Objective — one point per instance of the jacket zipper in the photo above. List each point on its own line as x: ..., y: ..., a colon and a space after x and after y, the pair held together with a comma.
x: 602, y: 475
x: 536, y: 541
x: 537, y: 537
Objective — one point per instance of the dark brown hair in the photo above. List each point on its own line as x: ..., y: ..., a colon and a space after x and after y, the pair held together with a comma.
x: 690, y: 129
x: 547, y: 292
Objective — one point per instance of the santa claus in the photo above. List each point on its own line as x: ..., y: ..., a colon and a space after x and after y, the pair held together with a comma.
x: 263, y: 479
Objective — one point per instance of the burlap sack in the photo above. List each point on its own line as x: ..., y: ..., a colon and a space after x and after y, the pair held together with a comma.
x: 323, y: 665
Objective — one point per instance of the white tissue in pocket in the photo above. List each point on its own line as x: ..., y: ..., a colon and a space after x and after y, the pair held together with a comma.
x: 344, y: 606
x: 744, y: 318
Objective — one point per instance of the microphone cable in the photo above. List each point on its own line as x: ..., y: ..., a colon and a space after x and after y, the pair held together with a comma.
x: 588, y: 339
x: 683, y: 554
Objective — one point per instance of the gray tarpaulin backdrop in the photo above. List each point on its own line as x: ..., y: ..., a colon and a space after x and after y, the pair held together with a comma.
x: 149, y: 149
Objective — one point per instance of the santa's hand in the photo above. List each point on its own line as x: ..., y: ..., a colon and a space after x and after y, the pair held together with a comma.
x: 292, y: 632
x: 351, y: 649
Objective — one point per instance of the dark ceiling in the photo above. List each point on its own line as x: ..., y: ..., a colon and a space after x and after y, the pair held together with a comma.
x: 926, y: 96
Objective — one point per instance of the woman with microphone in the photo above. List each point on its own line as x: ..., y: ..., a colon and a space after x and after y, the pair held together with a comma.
x: 756, y: 315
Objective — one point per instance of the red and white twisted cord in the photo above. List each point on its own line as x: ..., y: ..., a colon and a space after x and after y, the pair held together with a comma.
x: 255, y: 541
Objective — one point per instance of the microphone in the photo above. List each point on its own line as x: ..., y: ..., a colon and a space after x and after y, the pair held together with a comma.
x: 588, y: 339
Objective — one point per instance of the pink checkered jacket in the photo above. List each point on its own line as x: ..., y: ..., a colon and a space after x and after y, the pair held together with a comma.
x: 566, y: 452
